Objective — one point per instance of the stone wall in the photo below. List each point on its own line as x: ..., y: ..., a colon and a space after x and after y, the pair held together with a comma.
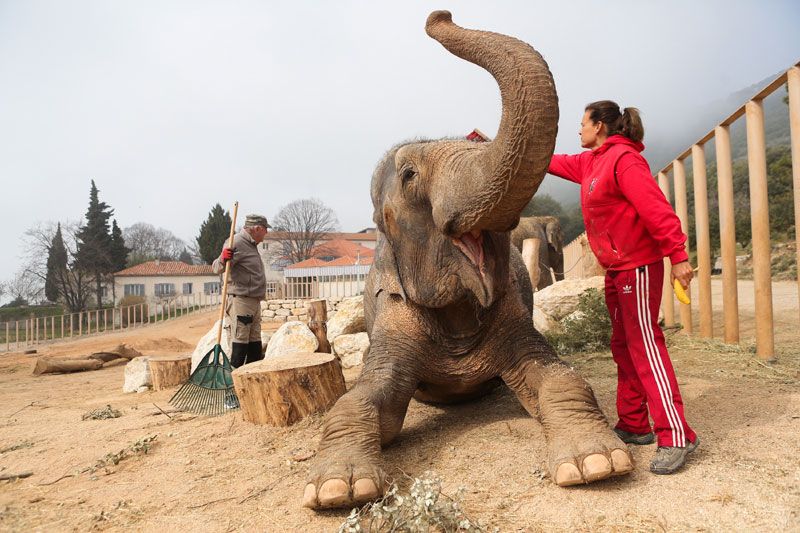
x: 279, y: 311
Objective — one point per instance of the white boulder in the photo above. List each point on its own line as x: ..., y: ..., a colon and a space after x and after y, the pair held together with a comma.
x: 137, y: 375
x: 351, y: 348
x: 292, y: 337
x: 206, y: 344
x: 541, y: 321
x: 349, y: 318
x: 561, y: 298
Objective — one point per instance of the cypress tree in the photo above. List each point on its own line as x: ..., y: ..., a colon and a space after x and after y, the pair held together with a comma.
x: 119, y: 253
x: 94, y: 242
x: 56, y: 266
x: 213, y: 233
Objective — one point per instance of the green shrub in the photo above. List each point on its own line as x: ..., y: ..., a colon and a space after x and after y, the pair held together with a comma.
x: 586, y: 330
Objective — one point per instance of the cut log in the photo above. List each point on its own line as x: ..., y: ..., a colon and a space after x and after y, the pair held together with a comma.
x: 105, y: 356
x: 115, y: 362
x: 281, y: 390
x: 169, y: 370
x: 63, y: 366
x: 318, y: 323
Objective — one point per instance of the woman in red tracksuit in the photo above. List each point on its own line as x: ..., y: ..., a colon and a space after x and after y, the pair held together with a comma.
x: 631, y: 228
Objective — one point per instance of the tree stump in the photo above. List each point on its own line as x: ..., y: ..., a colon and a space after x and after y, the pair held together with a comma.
x: 281, y: 390
x: 169, y: 370
x: 318, y: 323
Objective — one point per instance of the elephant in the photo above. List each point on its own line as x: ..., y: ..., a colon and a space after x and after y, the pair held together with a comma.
x: 448, y: 303
x: 548, y: 252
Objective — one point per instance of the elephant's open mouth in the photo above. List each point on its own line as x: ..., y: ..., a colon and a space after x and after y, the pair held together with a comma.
x: 471, y: 245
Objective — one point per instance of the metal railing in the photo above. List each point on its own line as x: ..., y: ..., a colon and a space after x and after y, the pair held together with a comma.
x: 22, y: 334
x: 313, y: 287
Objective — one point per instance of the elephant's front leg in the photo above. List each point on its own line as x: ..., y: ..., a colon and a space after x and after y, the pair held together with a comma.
x: 582, y: 447
x: 347, y: 470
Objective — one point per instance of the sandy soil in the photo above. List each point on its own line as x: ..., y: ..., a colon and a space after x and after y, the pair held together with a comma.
x: 224, y: 474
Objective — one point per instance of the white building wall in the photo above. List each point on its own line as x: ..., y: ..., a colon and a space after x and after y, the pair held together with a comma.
x: 149, y: 282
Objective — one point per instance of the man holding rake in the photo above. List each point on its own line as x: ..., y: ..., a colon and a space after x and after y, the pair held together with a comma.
x: 246, y: 288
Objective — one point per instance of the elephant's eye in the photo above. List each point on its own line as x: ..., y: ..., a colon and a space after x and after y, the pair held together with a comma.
x: 407, y: 175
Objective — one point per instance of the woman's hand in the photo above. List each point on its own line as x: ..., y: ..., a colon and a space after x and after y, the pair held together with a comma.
x: 683, y: 273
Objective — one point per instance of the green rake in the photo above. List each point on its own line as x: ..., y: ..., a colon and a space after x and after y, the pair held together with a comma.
x: 209, y: 390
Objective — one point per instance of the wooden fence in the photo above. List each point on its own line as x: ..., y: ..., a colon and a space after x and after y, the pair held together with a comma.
x: 21, y: 334
x: 753, y: 111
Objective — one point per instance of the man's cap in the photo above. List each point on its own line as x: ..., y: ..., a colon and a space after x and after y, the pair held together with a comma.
x: 256, y: 220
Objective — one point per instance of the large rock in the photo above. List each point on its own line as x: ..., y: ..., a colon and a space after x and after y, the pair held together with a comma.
x: 349, y: 318
x: 137, y: 375
x: 206, y: 344
x: 351, y: 349
x: 561, y: 298
x: 292, y: 337
x: 541, y: 321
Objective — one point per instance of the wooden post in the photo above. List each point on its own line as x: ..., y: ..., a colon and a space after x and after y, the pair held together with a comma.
x: 727, y: 234
x: 793, y: 85
x: 97, y: 321
x: 80, y: 323
x: 105, y: 319
x: 128, y: 314
x: 682, y: 209
x: 759, y: 219
x: 318, y: 323
x: 667, y: 298
x: 16, y: 334
x: 62, y: 326
x: 703, y: 239
x: 8, y: 336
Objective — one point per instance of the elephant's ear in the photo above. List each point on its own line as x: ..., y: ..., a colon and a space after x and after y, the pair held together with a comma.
x: 387, y: 277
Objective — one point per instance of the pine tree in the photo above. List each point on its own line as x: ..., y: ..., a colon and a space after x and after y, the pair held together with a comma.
x: 94, y: 242
x: 213, y: 233
x: 56, y: 266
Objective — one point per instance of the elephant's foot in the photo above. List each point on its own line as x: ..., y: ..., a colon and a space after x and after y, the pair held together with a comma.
x: 581, y: 457
x: 343, y: 481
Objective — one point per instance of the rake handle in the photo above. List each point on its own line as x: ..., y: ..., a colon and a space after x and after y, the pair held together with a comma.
x: 227, y: 271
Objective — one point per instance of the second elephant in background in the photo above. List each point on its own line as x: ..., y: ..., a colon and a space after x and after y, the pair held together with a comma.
x: 549, y: 249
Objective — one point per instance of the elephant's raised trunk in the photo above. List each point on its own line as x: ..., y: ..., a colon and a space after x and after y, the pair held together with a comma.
x: 506, y: 172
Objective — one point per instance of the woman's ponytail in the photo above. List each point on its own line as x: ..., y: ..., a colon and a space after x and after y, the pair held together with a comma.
x: 631, y: 124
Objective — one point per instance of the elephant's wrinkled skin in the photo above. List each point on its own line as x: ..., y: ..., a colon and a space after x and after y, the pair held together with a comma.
x: 448, y: 302
x: 547, y: 230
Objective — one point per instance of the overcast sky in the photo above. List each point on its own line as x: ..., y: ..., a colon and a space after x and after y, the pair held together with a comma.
x: 173, y: 106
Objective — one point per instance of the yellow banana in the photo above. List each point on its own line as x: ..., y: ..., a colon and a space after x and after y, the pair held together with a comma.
x: 680, y: 293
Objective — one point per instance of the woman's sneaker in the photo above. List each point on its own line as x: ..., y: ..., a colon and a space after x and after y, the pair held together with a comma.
x: 670, y: 459
x: 635, y: 438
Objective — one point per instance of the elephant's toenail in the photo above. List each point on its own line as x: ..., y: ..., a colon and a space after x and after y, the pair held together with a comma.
x: 596, y: 466
x: 567, y: 474
x: 310, y: 496
x: 621, y: 461
x: 334, y: 493
x: 365, y: 490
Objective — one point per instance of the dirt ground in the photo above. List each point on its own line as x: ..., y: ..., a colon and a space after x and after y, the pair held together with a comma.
x: 224, y: 474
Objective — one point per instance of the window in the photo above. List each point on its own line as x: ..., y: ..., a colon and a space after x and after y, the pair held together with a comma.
x: 187, y: 288
x: 211, y: 287
x: 134, y: 289
x: 165, y: 289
